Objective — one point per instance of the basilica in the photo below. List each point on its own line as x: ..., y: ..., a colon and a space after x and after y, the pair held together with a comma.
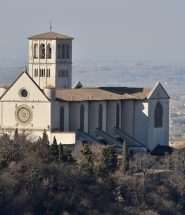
x: 43, y: 98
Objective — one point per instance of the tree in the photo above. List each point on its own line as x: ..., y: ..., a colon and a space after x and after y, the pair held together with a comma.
x: 54, y: 149
x: 108, y: 161
x: 87, y: 159
x: 61, y: 152
x: 43, y: 146
x: 45, y: 139
x: 125, y: 159
x: 67, y: 156
x: 16, y: 135
x: 142, y: 162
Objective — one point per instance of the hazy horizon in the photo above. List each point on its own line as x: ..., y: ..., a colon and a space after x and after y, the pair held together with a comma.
x: 126, y: 30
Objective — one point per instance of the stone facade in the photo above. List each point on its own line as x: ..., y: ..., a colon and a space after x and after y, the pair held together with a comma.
x: 34, y: 103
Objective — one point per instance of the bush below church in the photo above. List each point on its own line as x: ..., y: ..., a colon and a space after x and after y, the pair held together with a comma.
x: 42, y: 178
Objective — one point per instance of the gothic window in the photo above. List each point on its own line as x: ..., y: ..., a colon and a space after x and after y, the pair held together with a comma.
x: 67, y: 73
x: 48, y: 73
x: 60, y: 73
x: 49, y: 51
x: 35, y: 51
x: 63, y: 51
x: 117, y: 116
x: 59, y: 52
x: 100, y: 116
x: 42, y: 73
x: 63, y: 73
x: 82, y: 117
x: 62, y: 119
x: 36, y: 73
x: 158, y: 121
x: 67, y: 52
x: 42, y: 51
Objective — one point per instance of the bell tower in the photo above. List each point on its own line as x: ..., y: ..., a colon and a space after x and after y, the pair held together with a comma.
x: 50, y: 60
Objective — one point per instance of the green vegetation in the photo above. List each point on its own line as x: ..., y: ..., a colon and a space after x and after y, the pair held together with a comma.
x: 109, y: 161
x: 37, y: 179
x: 125, y: 159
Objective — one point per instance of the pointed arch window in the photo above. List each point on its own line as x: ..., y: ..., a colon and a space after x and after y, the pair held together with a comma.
x: 48, y: 73
x: 158, y: 121
x: 62, y: 118
x: 59, y: 51
x: 63, y: 73
x: 63, y: 51
x: 82, y: 117
x: 42, y: 51
x: 49, y: 51
x: 67, y: 73
x: 35, y: 51
x: 67, y: 52
x: 117, y: 115
x: 36, y: 73
x: 100, y: 116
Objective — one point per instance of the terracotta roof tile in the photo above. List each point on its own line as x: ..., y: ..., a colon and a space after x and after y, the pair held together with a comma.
x: 102, y: 93
x: 51, y: 36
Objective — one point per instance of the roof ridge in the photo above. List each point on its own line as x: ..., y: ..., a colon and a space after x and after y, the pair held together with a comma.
x: 50, y: 35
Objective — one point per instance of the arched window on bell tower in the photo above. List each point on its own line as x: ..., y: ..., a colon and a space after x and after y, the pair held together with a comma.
x: 59, y: 50
x: 63, y: 51
x: 42, y: 51
x: 67, y: 52
x: 158, y: 118
x: 49, y: 51
x: 35, y: 51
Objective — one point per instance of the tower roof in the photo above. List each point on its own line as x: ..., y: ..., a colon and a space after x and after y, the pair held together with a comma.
x: 51, y: 36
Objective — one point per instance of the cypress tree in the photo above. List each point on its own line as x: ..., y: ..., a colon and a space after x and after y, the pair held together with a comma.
x: 54, y: 149
x: 87, y: 154
x: 125, y: 159
x: 109, y: 160
x: 61, y: 152
x: 43, y: 145
x: 16, y: 135
x: 45, y: 139
x: 87, y: 159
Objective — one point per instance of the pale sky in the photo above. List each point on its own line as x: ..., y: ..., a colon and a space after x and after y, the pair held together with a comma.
x: 103, y: 29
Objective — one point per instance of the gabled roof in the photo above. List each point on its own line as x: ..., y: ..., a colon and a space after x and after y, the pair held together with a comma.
x: 77, y: 85
x: 51, y: 36
x: 5, y: 86
x: 30, y: 79
x: 158, y: 91
x: 102, y: 93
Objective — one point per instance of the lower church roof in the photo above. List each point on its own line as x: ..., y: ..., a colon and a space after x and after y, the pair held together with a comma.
x: 102, y: 93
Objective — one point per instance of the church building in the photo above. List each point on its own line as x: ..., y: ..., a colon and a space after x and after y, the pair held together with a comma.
x: 43, y: 98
